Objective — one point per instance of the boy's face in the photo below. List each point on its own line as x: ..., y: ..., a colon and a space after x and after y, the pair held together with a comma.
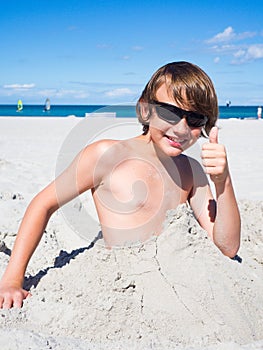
x: 171, y: 138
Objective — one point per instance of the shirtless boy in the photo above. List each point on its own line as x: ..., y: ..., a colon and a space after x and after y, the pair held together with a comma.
x: 134, y: 182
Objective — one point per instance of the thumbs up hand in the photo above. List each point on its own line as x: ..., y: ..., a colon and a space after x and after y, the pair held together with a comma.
x: 214, y: 158
x: 213, y: 136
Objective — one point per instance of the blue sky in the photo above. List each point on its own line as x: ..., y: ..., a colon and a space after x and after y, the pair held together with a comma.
x: 104, y: 52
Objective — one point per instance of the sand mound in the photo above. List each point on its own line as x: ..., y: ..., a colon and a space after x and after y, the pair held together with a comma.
x: 175, y: 290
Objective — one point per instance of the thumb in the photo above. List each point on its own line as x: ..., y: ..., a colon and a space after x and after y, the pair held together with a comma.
x: 213, y: 135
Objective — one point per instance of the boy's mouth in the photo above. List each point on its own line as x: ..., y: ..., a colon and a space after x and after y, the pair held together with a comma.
x: 173, y: 141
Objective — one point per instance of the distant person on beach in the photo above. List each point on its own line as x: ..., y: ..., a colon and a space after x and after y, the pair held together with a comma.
x: 135, y: 181
x: 259, y: 112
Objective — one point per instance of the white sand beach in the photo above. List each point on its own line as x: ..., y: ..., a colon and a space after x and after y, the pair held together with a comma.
x: 174, y: 292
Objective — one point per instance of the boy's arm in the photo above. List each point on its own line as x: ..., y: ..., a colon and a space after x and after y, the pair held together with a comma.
x: 220, y: 218
x: 77, y: 178
x: 28, y: 237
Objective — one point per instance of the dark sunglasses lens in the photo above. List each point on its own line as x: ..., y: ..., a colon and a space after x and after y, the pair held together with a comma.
x: 167, y: 115
x: 173, y: 114
x: 196, y: 121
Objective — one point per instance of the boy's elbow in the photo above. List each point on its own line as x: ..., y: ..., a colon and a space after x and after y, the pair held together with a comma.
x: 39, y: 201
x: 229, y: 251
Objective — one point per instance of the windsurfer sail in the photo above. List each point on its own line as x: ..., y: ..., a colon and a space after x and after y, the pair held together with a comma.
x: 47, y: 105
x: 19, y: 106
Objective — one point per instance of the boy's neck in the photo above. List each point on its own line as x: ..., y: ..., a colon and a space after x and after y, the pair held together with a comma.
x: 153, y: 149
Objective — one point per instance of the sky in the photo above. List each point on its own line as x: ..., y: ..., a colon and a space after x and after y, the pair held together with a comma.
x: 104, y: 52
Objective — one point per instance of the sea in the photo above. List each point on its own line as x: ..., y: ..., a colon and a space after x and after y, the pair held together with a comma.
x: 121, y: 111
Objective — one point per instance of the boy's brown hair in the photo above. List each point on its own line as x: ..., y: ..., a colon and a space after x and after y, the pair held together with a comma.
x: 188, y: 85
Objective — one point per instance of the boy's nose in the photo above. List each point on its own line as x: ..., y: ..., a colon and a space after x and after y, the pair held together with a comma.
x: 181, y: 127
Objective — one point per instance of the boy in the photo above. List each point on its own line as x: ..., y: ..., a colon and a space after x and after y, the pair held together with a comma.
x: 134, y: 182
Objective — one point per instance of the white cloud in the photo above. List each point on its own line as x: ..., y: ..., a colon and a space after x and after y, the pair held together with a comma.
x: 103, y: 46
x: 245, y: 35
x: 61, y: 93
x: 239, y: 53
x: 224, y: 49
x: 222, y: 44
x: 251, y: 53
x: 119, y: 92
x: 226, y: 35
x: 229, y: 35
x: 255, y: 51
x: 137, y: 48
x: 19, y: 86
x: 46, y: 92
x: 216, y: 59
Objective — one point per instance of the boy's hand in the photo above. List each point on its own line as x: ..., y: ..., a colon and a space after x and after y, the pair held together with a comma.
x: 12, y: 297
x: 214, y: 158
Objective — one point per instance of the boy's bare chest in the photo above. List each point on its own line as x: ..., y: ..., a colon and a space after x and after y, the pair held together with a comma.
x: 137, y: 183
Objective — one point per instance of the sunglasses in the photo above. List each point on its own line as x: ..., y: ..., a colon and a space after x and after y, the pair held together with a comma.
x: 173, y: 115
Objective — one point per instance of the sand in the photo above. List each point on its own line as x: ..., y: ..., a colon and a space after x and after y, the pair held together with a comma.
x: 174, y: 292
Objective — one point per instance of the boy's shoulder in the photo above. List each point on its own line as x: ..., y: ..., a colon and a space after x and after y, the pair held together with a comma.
x: 111, y: 145
x: 106, y: 144
x: 109, y: 150
x: 103, y: 145
x: 106, y: 154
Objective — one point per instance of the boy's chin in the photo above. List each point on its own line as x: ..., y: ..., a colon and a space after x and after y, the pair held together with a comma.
x: 172, y: 151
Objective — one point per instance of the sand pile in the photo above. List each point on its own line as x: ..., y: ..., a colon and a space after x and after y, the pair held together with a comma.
x: 175, y: 290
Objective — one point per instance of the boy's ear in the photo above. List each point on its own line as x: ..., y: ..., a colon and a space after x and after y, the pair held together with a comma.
x: 145, y: 111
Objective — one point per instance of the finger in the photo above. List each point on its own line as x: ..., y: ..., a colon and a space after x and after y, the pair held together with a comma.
x: 211, y: 147
x: 213, y: 135
x: 18, y: 302
x: 208, y: 153
x: 18, y: 299
x: 209, y: 162
x: 212, y: 171
x: 8, y: 302
x: 28, y: 295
